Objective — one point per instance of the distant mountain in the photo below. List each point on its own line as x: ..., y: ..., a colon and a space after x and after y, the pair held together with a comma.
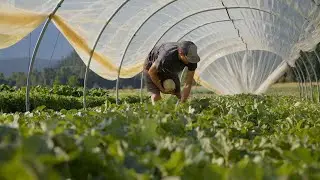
x: 16, y: 57
x: 7, y: 67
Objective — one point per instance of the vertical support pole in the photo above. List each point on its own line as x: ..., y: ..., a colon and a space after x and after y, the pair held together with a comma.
x: 92, y: 52
x: 118, y: 81
x: 297, y: 75
x: 43, y: 31
x: 309, y: 77
x: 318, y: 58
x: 141, y: 87
x: 315, y: 75
x: 85, y: 83
x: 305, y: 93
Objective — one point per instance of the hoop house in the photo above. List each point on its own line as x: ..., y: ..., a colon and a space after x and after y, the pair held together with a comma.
x: 244, y: 45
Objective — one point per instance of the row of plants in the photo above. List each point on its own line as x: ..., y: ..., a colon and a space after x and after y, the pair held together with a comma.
x: 11, y: 102
x: 63, y: 90
x: 15, y: 101
x: 230, y: 137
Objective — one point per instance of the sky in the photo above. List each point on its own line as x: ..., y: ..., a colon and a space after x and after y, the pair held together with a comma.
x: 21, y: 49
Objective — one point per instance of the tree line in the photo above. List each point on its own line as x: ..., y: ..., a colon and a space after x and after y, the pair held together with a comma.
x: 69, y: 71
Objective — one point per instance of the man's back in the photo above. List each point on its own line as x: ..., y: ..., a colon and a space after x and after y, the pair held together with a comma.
x: 166, y: 58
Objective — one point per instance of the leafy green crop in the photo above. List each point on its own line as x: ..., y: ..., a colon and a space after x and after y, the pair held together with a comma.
x: 56, y: 98
x: 231, y: 137
x: 62, y: 90
x: 6, y: 88
x: 15, y: 101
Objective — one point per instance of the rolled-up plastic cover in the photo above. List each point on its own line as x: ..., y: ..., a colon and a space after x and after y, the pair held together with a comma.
x: 244, y: 45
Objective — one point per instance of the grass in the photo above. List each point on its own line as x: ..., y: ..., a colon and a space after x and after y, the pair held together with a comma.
x: 284, y: 89
x: 280, y: 89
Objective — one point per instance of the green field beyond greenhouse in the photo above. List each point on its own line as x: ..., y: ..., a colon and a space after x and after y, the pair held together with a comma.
x: 210, y: 137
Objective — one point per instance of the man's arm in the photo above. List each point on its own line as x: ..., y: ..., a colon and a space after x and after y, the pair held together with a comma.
x: 187, y: 86
x: 153, y: 72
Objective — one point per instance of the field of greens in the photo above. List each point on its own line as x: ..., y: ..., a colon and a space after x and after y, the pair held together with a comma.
x: 58, y: 97
x: 231, y: 137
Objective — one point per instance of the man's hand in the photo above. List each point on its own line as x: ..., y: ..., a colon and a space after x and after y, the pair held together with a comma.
x: 168, y: 92
x: 153, y: 72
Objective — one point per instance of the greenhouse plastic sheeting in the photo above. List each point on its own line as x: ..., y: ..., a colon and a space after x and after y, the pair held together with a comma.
x: 244, y: 45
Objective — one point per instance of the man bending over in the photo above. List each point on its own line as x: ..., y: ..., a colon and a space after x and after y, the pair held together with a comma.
x: 166, y: 62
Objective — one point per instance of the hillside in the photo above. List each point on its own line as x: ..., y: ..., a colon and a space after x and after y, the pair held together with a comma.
x: 69, y: 70
x: 7, y: 67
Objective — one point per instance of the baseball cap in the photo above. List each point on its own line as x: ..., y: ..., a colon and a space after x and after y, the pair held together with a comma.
x: 190, y: 50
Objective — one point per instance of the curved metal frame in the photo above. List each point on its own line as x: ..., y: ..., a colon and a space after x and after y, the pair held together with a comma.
x: 247, y: 47
x: 309, y: 77
x: 297, y: 75
x: 54, y: 48
x: 318, y: 58
x: 305, y: 91
x: 199, y: 12
x: 219, y: 22
x: 43, y: 31
x: 198, y: 27
x: 87, y: 69
x: 315, y: 52
x: 118, y: 79
x: 131, y: 39
x: 94, y: 48
x: 234, y: 37
x: 203, y: 26
x: 230, y: 38
x: 211, y: 22
x: 119, y: 70
x: 141, y: 89
x: 52, y: 54
x: 210, y: 54
x: 273, y: 64
x: 316, y: 77
x: 207, y: 10
x: 203, y: 37
x: 214, y: 42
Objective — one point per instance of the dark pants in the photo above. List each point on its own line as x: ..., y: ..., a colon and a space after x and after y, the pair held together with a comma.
x: 152, y: 88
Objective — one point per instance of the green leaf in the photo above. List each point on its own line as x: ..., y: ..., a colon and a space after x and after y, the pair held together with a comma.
x: 285, y: 169
x: 40, y: 108
x: 175, y: 163
x: 116, y: 151
x: 304, y: 155
x: 90, y: 142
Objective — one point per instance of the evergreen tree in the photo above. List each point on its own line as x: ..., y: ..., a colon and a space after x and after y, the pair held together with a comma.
x: 73, y: 81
